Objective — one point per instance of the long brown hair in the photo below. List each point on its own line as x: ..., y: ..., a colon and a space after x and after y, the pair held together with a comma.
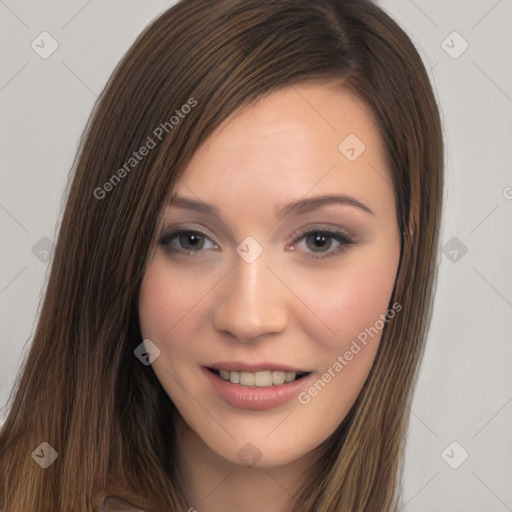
x: 81, y: 388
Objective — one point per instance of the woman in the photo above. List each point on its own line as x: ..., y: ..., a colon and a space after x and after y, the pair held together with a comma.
x: 243, y: 278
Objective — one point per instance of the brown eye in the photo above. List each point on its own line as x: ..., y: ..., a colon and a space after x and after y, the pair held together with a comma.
x: 323, y: 243
x: 319, y: 242
x: 191, y: 241
x: 186, y: 241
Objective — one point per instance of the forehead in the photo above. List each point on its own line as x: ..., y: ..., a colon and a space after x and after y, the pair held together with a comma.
x: 314, y: 138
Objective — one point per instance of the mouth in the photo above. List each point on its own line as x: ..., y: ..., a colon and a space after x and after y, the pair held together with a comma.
x: 261, y: 379
x: 258, y: 386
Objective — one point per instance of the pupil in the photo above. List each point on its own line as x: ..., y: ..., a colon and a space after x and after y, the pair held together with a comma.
x: 319, y: 242
x: 191, y: 240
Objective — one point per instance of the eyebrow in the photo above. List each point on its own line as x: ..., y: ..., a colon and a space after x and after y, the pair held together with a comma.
x: 298, y: 207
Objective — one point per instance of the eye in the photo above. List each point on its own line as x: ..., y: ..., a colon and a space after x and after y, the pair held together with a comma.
x: 322, y: 243
x: 319, y: 242
x: 186, y: 241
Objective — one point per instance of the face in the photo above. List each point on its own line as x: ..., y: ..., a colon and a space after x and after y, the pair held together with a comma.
x: 271, y: 281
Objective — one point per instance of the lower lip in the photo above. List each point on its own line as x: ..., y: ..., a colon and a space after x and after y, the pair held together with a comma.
x: 256, y: 398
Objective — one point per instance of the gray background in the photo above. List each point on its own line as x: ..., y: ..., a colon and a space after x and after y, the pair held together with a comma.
x: 464, y: 391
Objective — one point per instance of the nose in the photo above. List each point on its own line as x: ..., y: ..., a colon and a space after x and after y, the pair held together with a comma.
x: 252, y: 302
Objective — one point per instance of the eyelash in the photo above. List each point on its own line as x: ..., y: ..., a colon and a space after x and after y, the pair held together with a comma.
x: 343, y: 238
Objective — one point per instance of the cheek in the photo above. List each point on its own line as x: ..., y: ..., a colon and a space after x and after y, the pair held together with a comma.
x: 165, y: 309
x: 156, y: 304
x: 174, y: 315
x: 349, y: 298
x: 353, y: 303
x: 168, y: 298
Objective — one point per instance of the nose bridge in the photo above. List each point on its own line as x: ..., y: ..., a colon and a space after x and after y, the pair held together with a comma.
x: 252, y: 302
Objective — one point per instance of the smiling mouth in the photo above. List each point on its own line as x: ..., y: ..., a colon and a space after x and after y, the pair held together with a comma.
x: 265, y: 378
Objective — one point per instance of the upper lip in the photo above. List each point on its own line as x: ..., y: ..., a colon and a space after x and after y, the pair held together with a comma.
x: 238, y: 366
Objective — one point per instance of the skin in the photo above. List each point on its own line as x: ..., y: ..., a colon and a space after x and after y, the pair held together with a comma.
x: 286, y: 306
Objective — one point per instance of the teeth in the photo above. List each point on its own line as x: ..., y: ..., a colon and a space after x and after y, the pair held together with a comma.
x: 262, y: 379
x: 289, y: 376
x: 247, y: 379
x: 278, y: 378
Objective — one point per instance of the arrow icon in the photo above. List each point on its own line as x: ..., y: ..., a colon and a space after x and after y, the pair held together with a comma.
x: 454, y: 455
x: 351, y: 147
x: 249, y: 455
x: 44, y: 455
x: 147, y: 352
x: 454, y: 249
x: 44, y: 45
x: 454, y: 45
x: 42, y: 250
x: 249, y: 249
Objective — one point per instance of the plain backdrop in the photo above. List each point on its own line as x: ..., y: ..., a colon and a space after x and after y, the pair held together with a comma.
x: 459, y: 448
